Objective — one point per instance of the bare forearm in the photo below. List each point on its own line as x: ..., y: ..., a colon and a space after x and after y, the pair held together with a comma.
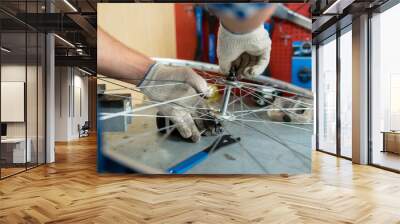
x: 244, y: 26
x: 116, y: 60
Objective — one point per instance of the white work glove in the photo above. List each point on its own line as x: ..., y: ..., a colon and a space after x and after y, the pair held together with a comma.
x: 249, y: 53
x: 165, y: 83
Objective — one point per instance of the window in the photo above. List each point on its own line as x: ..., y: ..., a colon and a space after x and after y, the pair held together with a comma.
x: 327, y: 97
x: 346, y: 94
x: 385, y: 89
x: 22, y: 88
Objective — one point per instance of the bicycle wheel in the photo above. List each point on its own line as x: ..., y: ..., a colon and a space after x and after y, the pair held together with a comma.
x: 275, y: 138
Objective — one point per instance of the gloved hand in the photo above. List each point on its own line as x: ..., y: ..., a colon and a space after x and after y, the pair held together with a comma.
x: 166, y: 83
x: 249, y: 52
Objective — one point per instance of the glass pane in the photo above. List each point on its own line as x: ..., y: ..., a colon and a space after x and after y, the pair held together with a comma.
x: 346, y: 94
x: 32, y: 95
x: 327, y: 97
x: 13, y: 86
x: 386, y: 89
x: 31, y: 86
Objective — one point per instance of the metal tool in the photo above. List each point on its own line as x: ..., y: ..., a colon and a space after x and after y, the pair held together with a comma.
x: 197, y: 158
x: 227, y: 92
x: 258, y: 79
x: 282, y: 12
x: 211, y: 126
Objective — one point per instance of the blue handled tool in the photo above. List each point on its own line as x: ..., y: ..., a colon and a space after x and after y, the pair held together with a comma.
x: 197, y: 158
x: 198, y: 12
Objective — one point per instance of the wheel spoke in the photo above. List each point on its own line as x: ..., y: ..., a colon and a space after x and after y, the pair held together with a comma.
x: 147, y: 107
x: 274, y: 104
x: 284, y: 98
x: 295, y: 152
x: 271, y: 122
x: 155, y: 116
x: 281, y: 97
x: 254, y: 158
x: 242, y: 113
x: 275, y: 122
x: 274, y: 87
x: 247, y: 112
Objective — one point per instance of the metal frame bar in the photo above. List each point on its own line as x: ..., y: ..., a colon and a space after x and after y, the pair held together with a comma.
x: 26, y: 90
x: 333, y: 154
x: 44, y: 79
x: 73, y: 91
x: 369, y: 101
x: 0, y: 93
x: 37, y: 91
x: 207, y: 67
x: 316, y: 97
x: 338, y: 93
x: 385, y: 6
x: 385, y: 168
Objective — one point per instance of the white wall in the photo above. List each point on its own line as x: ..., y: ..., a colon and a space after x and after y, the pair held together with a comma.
x: 12, y: 101
x: 80, y: 100
x: 61, y: 103
x: 15, y: 73
x: 70, y: 83
x: 34, y: 125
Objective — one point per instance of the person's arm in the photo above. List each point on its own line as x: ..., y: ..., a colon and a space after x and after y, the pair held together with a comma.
x: 157, y: 81
x: 237, y: 25
x: 244, y: 46
x: 116, y: 60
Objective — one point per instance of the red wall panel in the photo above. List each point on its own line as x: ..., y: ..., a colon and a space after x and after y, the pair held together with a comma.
x: 283, y: 35
x: 185, y: 31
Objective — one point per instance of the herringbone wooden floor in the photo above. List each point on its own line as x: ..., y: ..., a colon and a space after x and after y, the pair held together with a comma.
x: 70, y: 191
